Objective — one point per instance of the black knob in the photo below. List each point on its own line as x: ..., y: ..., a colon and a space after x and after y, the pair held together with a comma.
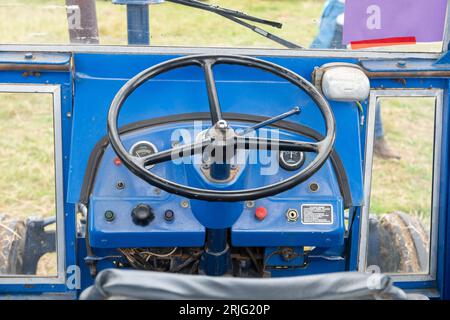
x: 142, y: 214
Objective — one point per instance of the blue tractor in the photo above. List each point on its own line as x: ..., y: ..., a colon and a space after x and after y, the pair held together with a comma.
x: 223, y: 171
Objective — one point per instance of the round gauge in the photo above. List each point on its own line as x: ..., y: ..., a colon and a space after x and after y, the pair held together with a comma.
x: 291, y: 160
x: 143, y: 149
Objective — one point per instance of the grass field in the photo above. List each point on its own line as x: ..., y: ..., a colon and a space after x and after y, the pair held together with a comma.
x: 44, y: 21
x: 405, y: 185
x: 26, y: 154
x: 26, y: 121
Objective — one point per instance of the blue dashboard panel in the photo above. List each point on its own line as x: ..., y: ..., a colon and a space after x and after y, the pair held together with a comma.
x: 278, y: 230
x: 183, y: 231
x: 187, y: 229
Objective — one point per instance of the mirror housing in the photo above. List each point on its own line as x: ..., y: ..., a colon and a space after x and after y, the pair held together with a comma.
x: 342, y: 82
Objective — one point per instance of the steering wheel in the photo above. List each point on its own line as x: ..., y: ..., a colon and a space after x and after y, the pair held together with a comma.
x: 221, y: 133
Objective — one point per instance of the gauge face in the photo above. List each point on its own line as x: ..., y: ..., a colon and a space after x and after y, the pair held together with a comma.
x: 143, y: 149
x: 291, y: 160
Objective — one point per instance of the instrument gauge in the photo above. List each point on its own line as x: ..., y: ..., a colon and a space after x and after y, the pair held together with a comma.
x: 292, y: 160
x: 143, y: 149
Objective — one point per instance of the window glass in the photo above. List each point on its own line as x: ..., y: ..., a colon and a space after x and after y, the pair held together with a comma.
x: 401, y: 198
x: 307, y: 23
x: 27, y: 185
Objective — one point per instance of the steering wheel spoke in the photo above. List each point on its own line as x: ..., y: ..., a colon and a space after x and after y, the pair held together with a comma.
x: 179, y: 152
x: 213, y: 98
x: 252, y: 143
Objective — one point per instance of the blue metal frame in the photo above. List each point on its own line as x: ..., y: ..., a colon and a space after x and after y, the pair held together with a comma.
x: 443, y: 271
x: 65, y: 81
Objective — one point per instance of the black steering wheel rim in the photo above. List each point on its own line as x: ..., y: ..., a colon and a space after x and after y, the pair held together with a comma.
x: 323, y: 147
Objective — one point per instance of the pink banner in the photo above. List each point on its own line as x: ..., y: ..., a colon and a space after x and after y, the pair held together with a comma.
x: 385, y: 22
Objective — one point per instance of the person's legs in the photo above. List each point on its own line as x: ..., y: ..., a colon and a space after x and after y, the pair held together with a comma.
x: 379, y: 130
x: 381, y: 148
x: 328, y: 37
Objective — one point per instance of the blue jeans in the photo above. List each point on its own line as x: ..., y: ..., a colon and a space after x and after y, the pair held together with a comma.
x: 330, y: 33
x: 379, y: 130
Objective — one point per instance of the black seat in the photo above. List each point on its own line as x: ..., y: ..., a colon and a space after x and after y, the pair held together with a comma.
x: 132, y: 284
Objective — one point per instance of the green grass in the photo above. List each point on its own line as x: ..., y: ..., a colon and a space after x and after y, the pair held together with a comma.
x: 27, y: 161
x: 405, y: 185
x: 26, y: 154
x: 44, y: 21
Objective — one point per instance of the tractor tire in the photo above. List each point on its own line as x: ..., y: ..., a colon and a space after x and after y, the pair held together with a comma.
x: 398, y: 243
x: 12, y: 245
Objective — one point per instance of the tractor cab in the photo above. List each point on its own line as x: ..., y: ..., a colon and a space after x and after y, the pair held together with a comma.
x: 214, y: 155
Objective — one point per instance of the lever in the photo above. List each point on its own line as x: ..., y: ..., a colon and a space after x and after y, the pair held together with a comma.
x: 267, y: 122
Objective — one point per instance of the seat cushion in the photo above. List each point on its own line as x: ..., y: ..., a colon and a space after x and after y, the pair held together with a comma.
x: 133, y: 284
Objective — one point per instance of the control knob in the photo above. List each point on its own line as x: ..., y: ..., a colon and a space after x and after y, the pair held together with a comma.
x: 142, y: 215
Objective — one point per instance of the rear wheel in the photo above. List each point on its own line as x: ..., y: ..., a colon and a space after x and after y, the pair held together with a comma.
x: 398, y: 243
x: 12, y: 244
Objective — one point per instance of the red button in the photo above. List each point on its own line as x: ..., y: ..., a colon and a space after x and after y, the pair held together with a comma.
x: 261, y: 213
x: 117, y: 161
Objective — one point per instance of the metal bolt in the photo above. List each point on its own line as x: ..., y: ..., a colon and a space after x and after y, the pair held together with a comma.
x: 185, y: 204
x: 287, y: 254
x: 157, y: 191
x: 29, y: 55
x: 401, y: 64
x: 120, y: 185
x: 222, y: 124
x: 250, y: 204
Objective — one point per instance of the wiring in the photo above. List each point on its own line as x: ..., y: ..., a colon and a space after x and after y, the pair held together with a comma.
x: 259, y: 268
x: 165, y: 259
x: 361, y: 112
x: 159, y: 255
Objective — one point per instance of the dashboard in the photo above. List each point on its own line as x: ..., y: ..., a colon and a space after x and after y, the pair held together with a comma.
x: 127, y: 212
